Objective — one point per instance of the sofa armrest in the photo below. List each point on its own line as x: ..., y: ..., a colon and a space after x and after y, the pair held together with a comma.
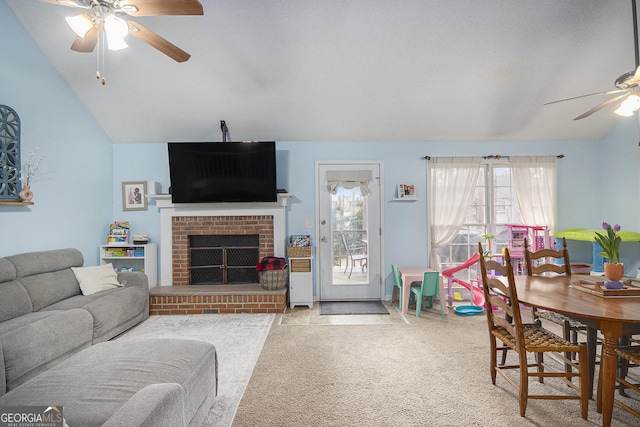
x: 133, y: 278
x: 156, y: 405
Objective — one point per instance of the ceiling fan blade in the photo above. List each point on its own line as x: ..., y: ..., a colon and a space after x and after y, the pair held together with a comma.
x: 600, y: 106
x: 158, y: 42
x: 163, y: 7
x: 610, y: 92
x: 69, y: 3
x: 88, y: 43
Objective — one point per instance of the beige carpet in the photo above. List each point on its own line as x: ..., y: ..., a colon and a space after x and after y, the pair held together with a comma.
x: 430, y: 371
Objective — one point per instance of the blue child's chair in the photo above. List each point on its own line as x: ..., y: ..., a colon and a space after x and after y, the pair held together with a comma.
x: 430, y: 288
x: 397, y: 283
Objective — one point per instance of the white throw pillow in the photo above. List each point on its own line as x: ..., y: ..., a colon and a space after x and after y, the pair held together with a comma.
x: 96, y: 279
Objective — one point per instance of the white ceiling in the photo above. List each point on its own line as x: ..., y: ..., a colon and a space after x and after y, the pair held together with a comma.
x: 354, y: 70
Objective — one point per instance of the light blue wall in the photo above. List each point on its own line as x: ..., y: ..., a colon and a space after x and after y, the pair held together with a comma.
x: 619, y: 180
x: 405, y: 223
x: 73, y: 204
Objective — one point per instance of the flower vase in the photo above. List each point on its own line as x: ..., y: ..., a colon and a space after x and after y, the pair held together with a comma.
x: 613, y: 273
x: 26, y: 195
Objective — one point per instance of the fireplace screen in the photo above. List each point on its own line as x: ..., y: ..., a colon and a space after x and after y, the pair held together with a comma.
x: 224, y: 259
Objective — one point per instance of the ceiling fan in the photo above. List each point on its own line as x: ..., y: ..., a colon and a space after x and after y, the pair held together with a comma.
x: 109, y: 16
x: 628, y: 84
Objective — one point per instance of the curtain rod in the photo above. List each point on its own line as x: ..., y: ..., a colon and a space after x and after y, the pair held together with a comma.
x: 492, y: 156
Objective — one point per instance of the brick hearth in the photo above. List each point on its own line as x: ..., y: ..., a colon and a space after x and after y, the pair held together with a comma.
x: 205, y: 299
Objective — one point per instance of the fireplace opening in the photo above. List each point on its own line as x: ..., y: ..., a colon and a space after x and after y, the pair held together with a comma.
x: 223, y: 259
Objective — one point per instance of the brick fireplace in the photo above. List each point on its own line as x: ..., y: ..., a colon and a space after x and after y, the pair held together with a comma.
x: 185, y: 226
x: 179, y: 221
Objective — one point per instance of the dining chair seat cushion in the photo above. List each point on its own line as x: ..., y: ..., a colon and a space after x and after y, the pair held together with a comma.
x: 631, y: 353
x: 536, y: 339
x: 559, y: 319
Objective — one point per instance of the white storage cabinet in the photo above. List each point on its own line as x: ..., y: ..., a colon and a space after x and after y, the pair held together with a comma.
x: 300, y: 282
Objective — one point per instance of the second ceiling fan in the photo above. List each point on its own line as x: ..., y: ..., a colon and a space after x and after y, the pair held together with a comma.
x: 627, y: 84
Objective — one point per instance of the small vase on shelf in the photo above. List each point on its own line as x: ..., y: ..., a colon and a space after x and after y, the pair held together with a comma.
x: 26, y: 194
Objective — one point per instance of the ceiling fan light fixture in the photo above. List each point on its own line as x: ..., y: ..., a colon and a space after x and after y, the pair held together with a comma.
x: 629, y: 106
x: 116, y: 29
x: 80, y: 24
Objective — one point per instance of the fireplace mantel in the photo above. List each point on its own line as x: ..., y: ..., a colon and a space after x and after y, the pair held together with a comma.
x: 168, y: 210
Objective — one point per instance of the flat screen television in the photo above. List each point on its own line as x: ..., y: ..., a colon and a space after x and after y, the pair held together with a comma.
x: 208, y: 172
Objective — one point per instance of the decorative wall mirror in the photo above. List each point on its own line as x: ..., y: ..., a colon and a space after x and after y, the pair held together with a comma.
x: 10, y: 184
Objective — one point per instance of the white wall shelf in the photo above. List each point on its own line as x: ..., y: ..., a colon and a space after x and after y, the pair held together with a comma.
x: 405, y: 199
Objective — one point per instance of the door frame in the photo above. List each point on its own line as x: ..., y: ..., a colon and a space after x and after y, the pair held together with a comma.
x: 380, y: 164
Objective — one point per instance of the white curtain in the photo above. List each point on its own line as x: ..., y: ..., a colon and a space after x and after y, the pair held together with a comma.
x: 452, y: 182
x: 348, y: 180
x: 534, y: 180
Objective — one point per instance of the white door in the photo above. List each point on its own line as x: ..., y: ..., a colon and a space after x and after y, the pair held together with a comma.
x: 350, y: 231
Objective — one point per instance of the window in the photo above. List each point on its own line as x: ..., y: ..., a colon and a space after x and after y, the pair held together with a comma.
x: 493, y: 205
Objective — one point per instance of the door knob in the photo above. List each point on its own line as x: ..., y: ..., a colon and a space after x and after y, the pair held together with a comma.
x: 324, y: 239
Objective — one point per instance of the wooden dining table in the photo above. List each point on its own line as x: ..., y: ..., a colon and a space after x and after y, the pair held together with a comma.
x: 615, y: 317
x: 409, y: 275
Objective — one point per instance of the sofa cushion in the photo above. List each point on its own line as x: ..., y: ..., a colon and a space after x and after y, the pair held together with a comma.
x: 96, y: 278
x: 47, y: 275
x: 15, y: 300
x: 48, y: 288
x: 111, y: 310
x: 97, y: 382
x: 7, y: 270
x: 36, y: 341
x: 31, y: 263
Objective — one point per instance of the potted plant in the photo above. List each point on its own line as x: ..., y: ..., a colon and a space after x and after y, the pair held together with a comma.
x: 610, y: 244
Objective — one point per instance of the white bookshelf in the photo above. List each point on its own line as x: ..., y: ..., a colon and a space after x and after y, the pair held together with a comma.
x: 142, y: 258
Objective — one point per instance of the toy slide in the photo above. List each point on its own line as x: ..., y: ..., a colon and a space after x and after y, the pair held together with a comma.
x: 478, y: 294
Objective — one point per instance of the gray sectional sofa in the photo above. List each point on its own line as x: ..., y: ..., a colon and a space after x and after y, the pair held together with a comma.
x: 55, y: 349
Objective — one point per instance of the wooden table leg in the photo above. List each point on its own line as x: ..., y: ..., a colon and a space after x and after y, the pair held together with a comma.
x: 608, y: 367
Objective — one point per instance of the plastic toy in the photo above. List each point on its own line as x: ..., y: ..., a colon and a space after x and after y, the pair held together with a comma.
x: 478, y: 294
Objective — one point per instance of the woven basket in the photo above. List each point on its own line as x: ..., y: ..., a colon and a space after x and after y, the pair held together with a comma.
x: 300, y: 265
x: 299, y: 251
x: 272, y: 280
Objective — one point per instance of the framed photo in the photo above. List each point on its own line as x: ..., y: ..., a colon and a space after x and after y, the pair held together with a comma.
x: 406, y: 191
x: 134, y: 196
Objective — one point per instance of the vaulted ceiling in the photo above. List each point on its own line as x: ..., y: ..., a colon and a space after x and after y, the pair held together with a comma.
x: 354, y: 70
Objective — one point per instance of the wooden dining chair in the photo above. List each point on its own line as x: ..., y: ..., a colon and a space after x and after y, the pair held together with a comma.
x: 505, y: 324
x: 628, y: 355
x: 537, y: 263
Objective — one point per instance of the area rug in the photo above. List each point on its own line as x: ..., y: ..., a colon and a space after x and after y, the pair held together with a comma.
x: 352, y: 307
x: 238, y: 339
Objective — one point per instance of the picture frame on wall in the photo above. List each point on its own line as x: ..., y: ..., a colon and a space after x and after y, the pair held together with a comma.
x: 134, y: 196
x: 406, y: 191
